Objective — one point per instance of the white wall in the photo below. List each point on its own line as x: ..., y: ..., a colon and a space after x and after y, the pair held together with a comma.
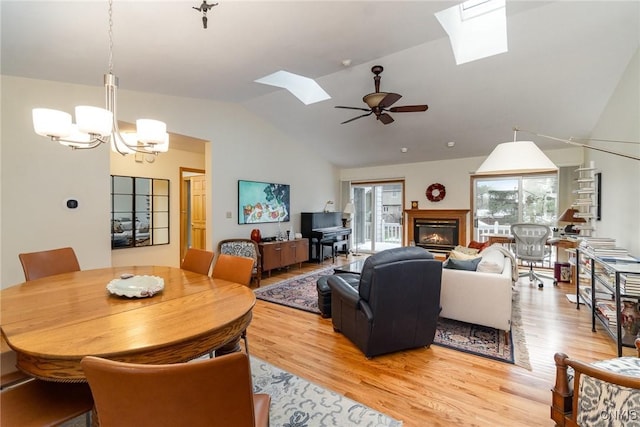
x: 455, y: 175
x: 37, y: 174
x: 621, y: 176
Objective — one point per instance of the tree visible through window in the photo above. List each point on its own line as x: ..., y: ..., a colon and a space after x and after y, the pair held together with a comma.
x: 502, y: 201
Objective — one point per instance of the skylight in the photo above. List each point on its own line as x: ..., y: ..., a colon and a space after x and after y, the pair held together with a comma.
x: 303, y: 88
x: 477, y: 29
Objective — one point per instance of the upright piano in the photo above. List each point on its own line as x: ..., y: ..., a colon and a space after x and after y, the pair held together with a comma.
x: 321, y: 228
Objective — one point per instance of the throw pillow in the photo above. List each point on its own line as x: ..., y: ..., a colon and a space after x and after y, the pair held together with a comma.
x: 492, y: 261
x: 478, y: 245
x: 462, y: 264
x: 466, y: 250
x: 461, y: 255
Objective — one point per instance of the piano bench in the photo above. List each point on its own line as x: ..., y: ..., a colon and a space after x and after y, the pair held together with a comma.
x: 333, y: 244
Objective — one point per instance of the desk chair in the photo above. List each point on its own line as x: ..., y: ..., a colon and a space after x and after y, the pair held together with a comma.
x: 48, y: 263
x: 197, y: 260
x: 531, y: 246
x: 211, y: 392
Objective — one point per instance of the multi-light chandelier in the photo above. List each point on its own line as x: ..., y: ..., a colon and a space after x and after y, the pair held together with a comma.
x: 95, y: 126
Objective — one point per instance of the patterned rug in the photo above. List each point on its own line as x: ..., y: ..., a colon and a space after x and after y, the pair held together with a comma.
x: 296, y: 402
x: 300, y: 293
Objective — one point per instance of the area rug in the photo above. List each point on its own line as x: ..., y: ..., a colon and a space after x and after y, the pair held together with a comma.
x: 296, y: 402
x: 300, y: 292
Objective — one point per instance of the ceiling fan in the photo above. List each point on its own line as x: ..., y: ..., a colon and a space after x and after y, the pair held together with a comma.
x: 379, y: 102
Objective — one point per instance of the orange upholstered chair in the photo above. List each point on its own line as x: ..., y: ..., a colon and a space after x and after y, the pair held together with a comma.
x: 48, y: 263
x: 36, y: 403
x: 233, y: 268
x: 214, y: 392
x: 197, y: 260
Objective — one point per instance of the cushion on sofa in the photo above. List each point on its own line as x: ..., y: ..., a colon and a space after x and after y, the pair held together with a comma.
x: 492, y: 261
x: 466, y: 250
x: 462, y: 255
x: 461, y: 264
x: 480, y: 246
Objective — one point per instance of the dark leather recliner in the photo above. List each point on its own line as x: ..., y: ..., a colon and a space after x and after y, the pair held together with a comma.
x: 396, y: 306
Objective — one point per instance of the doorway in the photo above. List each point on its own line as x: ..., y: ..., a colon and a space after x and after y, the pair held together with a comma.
x: 193, y: 210
x: 378, y: 215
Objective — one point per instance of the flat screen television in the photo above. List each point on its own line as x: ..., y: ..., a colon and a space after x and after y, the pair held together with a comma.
x: 261, y: 202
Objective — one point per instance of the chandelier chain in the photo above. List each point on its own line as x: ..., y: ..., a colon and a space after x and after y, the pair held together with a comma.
x: 110, y: 36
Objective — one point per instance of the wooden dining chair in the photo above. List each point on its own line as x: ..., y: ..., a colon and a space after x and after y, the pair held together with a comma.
x: 48, y: 263
x: 197, y: 260
x: 233, y: 268
x: 37, y: 403
x: 214, y: 392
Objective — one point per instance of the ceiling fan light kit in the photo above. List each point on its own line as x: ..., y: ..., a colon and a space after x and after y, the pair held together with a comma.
x: 379, y: 103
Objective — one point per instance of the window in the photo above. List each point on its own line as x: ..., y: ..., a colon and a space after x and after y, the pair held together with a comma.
x: 139, y: 211
x: 505, y: 200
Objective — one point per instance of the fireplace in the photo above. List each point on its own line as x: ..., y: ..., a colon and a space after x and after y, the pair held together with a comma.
x: 436, y: 234
x: 438, y: 230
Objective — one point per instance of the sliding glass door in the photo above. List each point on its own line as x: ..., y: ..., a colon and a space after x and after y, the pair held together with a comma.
x: 377, y: 221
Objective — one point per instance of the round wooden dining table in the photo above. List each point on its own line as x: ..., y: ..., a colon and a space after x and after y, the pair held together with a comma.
x: 53, y: 322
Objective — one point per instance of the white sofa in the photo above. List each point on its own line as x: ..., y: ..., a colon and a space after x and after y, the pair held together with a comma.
x: 479, y: 297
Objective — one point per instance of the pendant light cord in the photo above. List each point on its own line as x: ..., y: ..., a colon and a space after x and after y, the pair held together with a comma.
x: 110, y: 36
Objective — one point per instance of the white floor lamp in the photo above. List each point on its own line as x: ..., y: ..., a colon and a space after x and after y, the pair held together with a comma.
x: 349, y: 210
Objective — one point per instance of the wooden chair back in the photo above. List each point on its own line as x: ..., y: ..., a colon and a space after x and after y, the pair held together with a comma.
x: 210, y: 392
x: 48, y: 263
x: 233, y: 268
x: 197, y: 260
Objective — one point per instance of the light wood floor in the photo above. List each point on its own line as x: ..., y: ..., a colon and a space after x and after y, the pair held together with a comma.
x: 434, y: 386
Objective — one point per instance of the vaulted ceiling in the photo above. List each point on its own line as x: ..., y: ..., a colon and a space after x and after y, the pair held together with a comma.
x: 565, y: 59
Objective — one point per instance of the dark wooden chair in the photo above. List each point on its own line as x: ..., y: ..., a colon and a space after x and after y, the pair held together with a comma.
x: 612, y: 385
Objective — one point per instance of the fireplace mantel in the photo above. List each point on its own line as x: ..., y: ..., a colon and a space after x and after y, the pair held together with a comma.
x: 459, y: 214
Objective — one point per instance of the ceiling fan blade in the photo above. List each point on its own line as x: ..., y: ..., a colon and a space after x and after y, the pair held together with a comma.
x: 356, y: 118
x: 409, y: 108
x: 390, y: 99
x: 352, y: 108
x: 385, y: 118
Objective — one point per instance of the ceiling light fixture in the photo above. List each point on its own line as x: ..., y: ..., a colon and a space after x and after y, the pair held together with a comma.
x: 204, y: 7
x: 516, y: 157
x: 95, y: 126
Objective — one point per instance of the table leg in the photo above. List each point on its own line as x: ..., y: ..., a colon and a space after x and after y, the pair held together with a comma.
x: 232, y: 346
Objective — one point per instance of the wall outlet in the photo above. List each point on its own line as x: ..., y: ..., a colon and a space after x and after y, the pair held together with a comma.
x: 229, y: 214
